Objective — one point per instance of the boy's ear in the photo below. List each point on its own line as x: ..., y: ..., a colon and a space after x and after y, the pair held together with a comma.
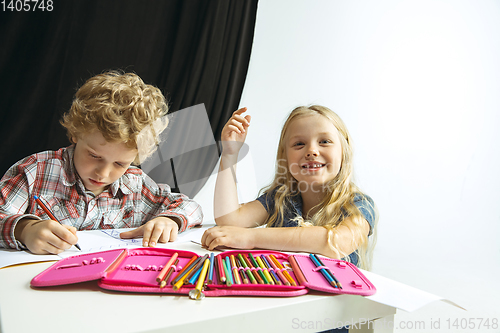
x: 74, y: 139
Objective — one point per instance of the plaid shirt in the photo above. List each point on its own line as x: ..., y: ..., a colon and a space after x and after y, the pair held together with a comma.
x: 129, y: 202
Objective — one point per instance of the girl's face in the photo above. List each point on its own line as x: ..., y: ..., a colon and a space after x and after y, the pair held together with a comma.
x: 100, y: 163
x: 314, y: 152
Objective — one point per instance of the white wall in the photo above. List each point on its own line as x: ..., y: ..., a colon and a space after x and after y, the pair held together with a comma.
x: 418, y: 85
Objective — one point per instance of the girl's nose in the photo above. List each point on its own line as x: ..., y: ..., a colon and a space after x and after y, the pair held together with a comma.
x: 312, y: 153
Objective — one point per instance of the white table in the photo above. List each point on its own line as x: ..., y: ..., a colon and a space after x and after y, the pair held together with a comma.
x: 84, y: 307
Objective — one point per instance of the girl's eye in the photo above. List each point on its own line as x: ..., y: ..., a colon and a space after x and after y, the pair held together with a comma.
x: 325, y: 141
x: 297, y: 144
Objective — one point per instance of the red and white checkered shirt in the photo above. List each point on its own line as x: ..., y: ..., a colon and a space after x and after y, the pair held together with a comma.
x: 129, y: 202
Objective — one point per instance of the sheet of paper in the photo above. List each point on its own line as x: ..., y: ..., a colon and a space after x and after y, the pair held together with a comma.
x: 401, y: 296
x: 95, y: 241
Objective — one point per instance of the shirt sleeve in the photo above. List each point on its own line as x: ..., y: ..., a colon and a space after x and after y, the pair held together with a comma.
x: 170, y: 204
x: 366, y: 206
x: 14, y: 200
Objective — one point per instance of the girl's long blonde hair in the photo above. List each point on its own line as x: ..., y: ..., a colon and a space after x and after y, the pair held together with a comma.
x: 338, y: 202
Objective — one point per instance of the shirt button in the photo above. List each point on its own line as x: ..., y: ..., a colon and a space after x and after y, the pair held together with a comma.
x: 56, y: 208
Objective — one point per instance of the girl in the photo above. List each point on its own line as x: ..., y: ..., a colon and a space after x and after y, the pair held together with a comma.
x: 311, y: 206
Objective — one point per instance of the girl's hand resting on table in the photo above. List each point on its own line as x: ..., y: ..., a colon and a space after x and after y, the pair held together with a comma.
x: 228, y: 236
x: 161, y: 229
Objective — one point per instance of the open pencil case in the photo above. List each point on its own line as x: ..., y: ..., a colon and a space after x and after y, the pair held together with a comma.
x: 137, y: 270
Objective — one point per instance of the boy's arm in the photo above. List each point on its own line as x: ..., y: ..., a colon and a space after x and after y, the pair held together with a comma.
x: 178, y: 207
x: 14, y: 201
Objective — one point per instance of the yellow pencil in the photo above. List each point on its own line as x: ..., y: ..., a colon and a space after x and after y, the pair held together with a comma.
x: 264, y: 269
x: 196, y: 292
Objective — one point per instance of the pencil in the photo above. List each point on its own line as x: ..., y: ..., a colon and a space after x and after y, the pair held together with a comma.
x: 179, y: 275
x: 271, y: 270
x: 236, y: 274
x: 256, y: 265
x: 211, y: 269
x: 199, y: 264
x: 323, y: 271
x: 196, y: 293
x: 244, y: 276
x: 49, y: 213
x: 255, y: 273
x: 297, y: 270
x: 164, y: 282
x: 247, y: 270
x: 328, y: 271
x: 264, y: 269
x: 220, y: 266
x: 285, y: 273
x: 278, y: 272
x: 181, y: 280
x: 164, y: 270
x: 227, y: 271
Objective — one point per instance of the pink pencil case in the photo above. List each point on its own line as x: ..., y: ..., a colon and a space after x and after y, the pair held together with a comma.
x: 136, y: 270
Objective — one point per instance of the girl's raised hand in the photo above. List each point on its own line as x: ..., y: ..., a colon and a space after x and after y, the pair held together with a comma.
x: 235, y: 132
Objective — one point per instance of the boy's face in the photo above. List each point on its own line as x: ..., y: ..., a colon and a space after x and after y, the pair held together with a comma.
x: 100, y: 163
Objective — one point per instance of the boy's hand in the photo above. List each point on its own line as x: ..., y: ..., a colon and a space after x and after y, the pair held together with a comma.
x: 234, y: 132
x: 228, y: 236
x: 160, y: 229
x: 45, y: 236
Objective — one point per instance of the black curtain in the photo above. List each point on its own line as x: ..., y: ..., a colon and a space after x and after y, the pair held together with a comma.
x: 195, y: 51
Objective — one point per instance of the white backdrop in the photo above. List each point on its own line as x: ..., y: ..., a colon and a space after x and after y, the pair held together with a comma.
x: 418, y: 85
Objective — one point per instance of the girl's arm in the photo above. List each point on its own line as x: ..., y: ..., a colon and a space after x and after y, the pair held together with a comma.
x: 297, y: 239
x: 227, y: 210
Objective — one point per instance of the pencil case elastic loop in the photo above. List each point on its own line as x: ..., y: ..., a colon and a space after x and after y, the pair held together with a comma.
x: 315, y: 269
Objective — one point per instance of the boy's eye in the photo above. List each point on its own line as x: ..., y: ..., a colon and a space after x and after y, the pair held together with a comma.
x: 121, y: 165
x: 93, y: 156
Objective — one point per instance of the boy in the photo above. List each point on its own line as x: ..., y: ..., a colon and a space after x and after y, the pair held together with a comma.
x: 114, y: 122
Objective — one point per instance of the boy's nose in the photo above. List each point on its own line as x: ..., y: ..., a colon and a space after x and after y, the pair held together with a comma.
x: 102, y: 172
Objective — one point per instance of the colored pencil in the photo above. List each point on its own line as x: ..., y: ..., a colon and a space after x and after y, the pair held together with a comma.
x: 244, y: 275
x: 227, y: 270
x: 271, y: 270
x: 328, y: 271
x: 181, y: 280
x: 165, y: 268
x: 247, y: 269
x: 285, y: 273
x: 169, y: 273
x: 220, y: 266
x: 297, y: 270
x: 211, y: 269
x: 278, y: 272
x: 194, y: 277
x: 181, y: 272
x: 256, y: 265
x: 236, y: 274
x: 196, y: 293
x: 264, y: 269
x: 323, y: 271
x: 49, y: 213
x: 254, y: 271
x: 199, y: 264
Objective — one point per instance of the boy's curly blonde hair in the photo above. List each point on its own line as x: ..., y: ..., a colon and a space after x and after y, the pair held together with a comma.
x: 123, y: 108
